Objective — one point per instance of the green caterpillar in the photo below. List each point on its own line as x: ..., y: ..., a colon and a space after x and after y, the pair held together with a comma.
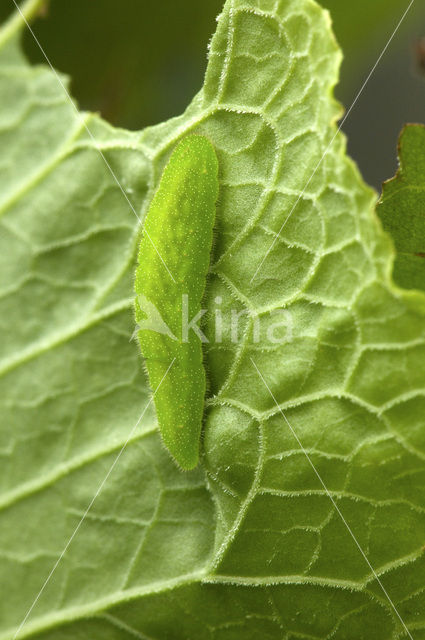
x: 174, y: 259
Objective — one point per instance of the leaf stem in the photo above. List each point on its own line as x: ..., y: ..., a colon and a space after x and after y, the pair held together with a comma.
x: 15, y: 22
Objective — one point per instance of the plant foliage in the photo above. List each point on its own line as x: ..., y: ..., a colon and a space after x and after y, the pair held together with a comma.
x: 249, y: 545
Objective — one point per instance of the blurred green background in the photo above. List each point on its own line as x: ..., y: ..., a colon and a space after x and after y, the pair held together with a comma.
x: 140, y: 62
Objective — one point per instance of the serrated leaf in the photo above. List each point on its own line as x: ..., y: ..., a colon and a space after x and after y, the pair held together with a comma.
x: 402, y: 209
x: 249, y: 545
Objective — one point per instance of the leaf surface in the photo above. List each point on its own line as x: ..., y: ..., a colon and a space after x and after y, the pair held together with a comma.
x: 249, y: 544
x: 402, y: 209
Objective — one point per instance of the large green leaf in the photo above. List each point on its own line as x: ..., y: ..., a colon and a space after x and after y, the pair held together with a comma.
x: 249, y: 544
x: 402, y: 209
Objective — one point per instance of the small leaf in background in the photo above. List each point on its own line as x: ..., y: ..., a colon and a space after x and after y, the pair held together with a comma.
x: 402, y: 209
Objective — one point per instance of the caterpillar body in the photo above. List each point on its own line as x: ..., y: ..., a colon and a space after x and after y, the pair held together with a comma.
x: 174, y: 259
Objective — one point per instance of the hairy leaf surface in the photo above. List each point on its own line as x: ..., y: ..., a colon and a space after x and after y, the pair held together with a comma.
x: 249, y: 544
x: 402, y: 209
